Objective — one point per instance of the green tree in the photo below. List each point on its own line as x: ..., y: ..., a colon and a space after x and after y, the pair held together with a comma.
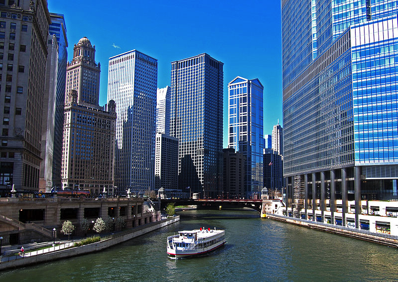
x: 67, y: 228
x: 120, y: 223
x: 108, y: 223
x: 85, y: 225
x: 99, y: 225
x: 170, y: 209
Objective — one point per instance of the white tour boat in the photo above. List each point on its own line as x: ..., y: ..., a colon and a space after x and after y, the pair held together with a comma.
x: 194, y: 242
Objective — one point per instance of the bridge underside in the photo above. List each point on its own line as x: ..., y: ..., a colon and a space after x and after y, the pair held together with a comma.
x: 214, y: 204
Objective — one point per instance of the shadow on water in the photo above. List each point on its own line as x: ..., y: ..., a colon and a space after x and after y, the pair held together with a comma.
x: 219, y: 214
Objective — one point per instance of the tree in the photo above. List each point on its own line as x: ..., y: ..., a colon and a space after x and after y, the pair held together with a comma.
x: 67, y: 228
x: 99, y: 225
x: 85, y: 225
x: 170, y: 209
x: 108, y: 224
x: 120, y: 223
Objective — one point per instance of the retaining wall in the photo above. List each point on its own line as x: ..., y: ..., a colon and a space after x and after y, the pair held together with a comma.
x: 90, y: 248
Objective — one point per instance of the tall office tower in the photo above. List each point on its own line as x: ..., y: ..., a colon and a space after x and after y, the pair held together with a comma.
x: 83, y: 73
x: 273, y: 169
x: 245, y: 128
x: 48, y: 117
x: 196, y: 120
x: 277, y: 139
x: 234, y: 174
x: 88, y: 146
x: 340, y: 105
x: 23, y: 51
x: 163, y: 110
x: 268, y: 141
x: 166, y: 162
x: 58, y: 28
x: 132, y: 83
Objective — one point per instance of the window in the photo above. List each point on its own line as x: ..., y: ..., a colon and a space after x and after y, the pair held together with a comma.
x: 18, y: 111
x: 3, y: 154
x: 24, y: 27
x: 2, y: 35
x: 21, y: 69
x: 4, y: 143
x: 11, y: 2
x: 4, y: 132
x: 19, y: 89
x: 25, y: 18
x: 8, y: 88
x: 9, y: 67
x: 12, y: 35
x: 6, y: 121
x: 7, y: 99
x: 3, y: 14
x: 6, y: 110
x: 1, y: 45
x: 3, y: 24
x: 11, y: 57
x: 11, y: 155
x: 22, y: 48
x: 1, y: 66
x: 1, y: 56
x: 13, y: 26
x: 9, y: 78
x: 11, y: 46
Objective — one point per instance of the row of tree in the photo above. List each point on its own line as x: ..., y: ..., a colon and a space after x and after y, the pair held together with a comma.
x: 99, y: 225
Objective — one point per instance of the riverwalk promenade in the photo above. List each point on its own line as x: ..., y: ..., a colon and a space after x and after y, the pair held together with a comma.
x: 378, y: 238
x: 12, y: 257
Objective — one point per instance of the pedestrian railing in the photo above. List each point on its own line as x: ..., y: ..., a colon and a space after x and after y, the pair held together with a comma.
x: 19, y: 255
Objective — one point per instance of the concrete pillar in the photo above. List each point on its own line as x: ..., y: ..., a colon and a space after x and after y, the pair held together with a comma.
x: 292, y: 195
x: 358, y: 198
x: 306, y: 195
x: 332, y: 196
x: 323, y: 198
x: 313, y: 197
x: 104, y: 211
x: 287, y: 196
x: 344, y: 195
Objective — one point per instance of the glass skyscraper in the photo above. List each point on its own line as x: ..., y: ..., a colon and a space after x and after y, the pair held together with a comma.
x: 245, y: 124
x: 196, y: 120
x: 340, y: 102
x: 132, y: 84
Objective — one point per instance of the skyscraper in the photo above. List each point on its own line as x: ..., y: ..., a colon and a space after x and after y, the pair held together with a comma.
x: 268, y: 141
x: 340, y: 101
x: 23, y: 37
x: 166, y: 162
x: 196, y: 120
x: 132, y: 83
x: 163, y: 111
x: 58, y: 28
x: 245, y: 128
x: 89, y: 130
x: 277, y: 139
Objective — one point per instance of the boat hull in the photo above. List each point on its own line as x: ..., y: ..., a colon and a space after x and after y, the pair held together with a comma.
x: 192, y: 253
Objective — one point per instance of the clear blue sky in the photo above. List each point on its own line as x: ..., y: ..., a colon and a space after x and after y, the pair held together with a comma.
x: 244, y: 35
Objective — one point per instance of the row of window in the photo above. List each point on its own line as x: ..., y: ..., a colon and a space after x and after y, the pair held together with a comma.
x: 13, y: 26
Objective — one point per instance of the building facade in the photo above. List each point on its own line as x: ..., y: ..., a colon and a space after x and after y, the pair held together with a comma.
x: 245, y: 128
x: 132, y: 83
x: 234, y: 174
x: 23, y: 51
x: 163, y: 110
x: 268, y: 141
x: 89, y: 130
x: 277, y: 139
x: 58, y: 28
x: 196, y: 120
x: 273, y: 171
x: 48, y: 117
x: 166, y: 162
x: 340, y: 103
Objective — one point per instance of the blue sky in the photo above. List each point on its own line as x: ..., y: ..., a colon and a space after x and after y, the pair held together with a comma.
x: 244, y: 35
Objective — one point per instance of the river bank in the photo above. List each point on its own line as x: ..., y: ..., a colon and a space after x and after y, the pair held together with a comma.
x: 381, y: 239
x: 113, y: 240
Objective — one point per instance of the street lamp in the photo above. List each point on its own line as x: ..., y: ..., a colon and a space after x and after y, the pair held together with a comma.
x: 54, y: 234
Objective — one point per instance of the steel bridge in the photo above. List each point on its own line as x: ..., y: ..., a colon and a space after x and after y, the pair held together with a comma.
x: 255, y: 204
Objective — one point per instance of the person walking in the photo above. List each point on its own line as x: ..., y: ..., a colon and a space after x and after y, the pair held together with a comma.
x: 22, y: 252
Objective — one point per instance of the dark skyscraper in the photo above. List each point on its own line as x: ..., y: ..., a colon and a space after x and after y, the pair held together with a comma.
x: 197, y: 122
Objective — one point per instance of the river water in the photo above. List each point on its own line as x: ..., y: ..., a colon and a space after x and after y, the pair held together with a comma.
x: 256, y: 250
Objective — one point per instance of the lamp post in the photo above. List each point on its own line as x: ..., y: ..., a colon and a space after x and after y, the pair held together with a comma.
x: 54, y: 234
x: 1, y: 242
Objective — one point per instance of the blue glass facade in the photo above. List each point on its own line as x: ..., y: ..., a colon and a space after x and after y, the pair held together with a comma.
x: 196, y: 120
x: 245, y: 130
x: 340, y: 109
x: 58, y: 28
x: 132, y: 84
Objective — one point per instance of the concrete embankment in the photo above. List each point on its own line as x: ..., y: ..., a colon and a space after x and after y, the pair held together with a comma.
x: 90, y: 248
x: 352, y: 233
